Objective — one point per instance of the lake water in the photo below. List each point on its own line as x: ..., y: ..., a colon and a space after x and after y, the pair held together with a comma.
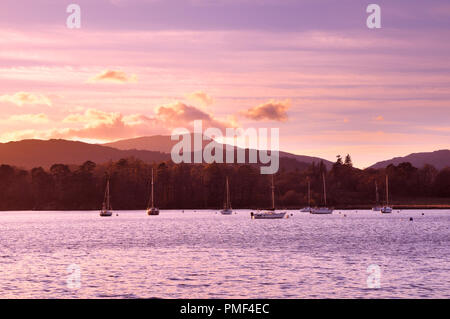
x: 206, y: 255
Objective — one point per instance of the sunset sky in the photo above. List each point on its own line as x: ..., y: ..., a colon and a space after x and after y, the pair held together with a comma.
x: 310, y: 67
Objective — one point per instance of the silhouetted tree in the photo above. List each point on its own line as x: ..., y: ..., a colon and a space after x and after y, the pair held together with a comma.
x: 348, y: 161
x: 65, y: 187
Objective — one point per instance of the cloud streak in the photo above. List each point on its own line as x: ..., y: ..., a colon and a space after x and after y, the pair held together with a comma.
x: 112, y: 76
x: 102, y: 126
x: 179, y: 114
x: 272, y: 111
x: 23, y: 98
x: 201, y: 97
x: 40, y: 118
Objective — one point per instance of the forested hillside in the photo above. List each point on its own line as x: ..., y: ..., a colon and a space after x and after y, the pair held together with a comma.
x: 64, y: 187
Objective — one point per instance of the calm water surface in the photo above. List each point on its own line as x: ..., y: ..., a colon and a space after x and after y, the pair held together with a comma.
x: 206, y: 255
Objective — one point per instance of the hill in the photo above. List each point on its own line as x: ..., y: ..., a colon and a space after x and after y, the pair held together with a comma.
x: 164, y: 144
x: 35, y: 153
x: 439, y: 159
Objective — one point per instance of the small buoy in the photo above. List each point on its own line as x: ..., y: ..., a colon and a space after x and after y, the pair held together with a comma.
x: 423, y: 214
x: 117, y: 214
x: 411, y: 219
x: 345, y: 215
x: 292, y: 214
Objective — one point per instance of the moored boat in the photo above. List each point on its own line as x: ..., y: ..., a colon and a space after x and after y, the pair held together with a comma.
x: 268, y: 215
x: 106, y: 210
x: 227, y: 210
x: 151, y: 209
x: 377, y: 207
x: 271, y: 213
x: 387, y: 209
x: 307, y: 209
x: 323, y: 209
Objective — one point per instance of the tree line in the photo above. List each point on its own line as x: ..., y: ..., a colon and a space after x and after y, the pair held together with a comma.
x: 197, y: 186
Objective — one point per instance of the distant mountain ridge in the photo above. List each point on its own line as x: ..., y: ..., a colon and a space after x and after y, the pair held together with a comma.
x: 44, y: 153
x: 163, y: 143
x: 35, y: 153
x: 439, y: 159
x: 157, y: 142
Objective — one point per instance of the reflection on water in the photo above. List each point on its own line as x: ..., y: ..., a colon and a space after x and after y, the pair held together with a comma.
x: 206, y: 255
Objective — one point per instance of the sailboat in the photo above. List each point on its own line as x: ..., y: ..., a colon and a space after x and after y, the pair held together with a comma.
x: 324, y: 209
x: 227, y: 210
x: 308, y: 209
x: 106, y: 206
x: 272, y: 213
x: 151, y: 209
x: 387, y: 209
x: 377, y: 207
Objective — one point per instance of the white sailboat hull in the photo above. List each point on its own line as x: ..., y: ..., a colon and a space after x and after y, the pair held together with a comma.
x: 321, y: 210
x: 305, y: 210
x: 377, y: 209
x: 105, y: 213
x: 153, y: 211
x: 386, y: 210
x: 269, y: 215
x: 226, y: 211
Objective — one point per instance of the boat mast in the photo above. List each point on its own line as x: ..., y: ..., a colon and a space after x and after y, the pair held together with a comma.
x: 387, y: 190
x: 152, y: 192
x: 324, y: 189
x: 107, y: 195
x: 309, y: 193
x: 377, y: 196
x: 228, y: 196
x: 273, y: 195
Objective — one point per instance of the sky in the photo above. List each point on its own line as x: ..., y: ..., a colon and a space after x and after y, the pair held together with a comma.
x: 311, y: 68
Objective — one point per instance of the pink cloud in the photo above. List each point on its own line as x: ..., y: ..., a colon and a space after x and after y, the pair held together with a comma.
x: 113, y: 77
x: 98, y: 125
x: 179, y: 114
x: 201, y: 97
x: 272, y: 110
x: 22, y: 98
x: 30, y: 118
